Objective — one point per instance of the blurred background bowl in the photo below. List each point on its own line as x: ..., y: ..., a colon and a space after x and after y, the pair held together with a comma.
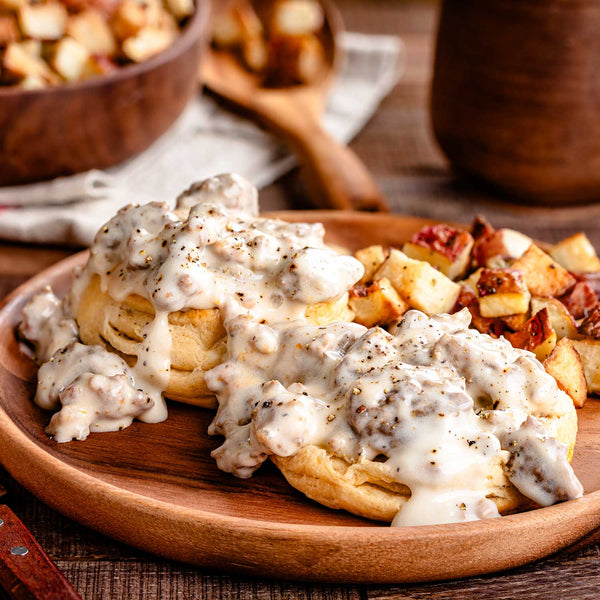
x: 516, y: 96
x: 101, y: 121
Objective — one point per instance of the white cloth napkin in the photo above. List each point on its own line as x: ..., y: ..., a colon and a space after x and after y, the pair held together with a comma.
x: 204, y: 141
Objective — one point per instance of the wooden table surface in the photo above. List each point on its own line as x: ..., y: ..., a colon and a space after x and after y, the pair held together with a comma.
x: 398, y: 147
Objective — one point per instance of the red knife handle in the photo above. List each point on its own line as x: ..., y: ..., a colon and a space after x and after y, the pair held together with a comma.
x: 26, y: 571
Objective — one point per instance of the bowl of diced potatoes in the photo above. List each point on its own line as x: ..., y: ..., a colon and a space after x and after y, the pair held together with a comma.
x: 89, y: 83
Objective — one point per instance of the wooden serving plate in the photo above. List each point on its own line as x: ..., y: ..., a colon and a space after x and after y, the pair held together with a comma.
x: 155, y: 486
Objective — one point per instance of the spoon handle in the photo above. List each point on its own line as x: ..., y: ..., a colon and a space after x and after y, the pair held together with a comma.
x: 26, y: 571
x: 336, y: 176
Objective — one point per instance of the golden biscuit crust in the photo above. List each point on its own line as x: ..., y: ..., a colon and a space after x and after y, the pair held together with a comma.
x: 366, y: 489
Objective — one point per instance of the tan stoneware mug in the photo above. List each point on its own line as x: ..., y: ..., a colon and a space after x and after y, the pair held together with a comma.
x: 516, y: 95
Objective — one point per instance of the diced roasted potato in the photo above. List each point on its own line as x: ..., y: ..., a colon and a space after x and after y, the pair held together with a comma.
x: 502, y: 292
x: 32, y: 47
x: 129, y: 18
x: 422, y: 286
x: 9, y: 29
x: 43, y: 21
x: 296, y: 17
x: 98, y: 65
x: 69, y: 58
x: 580, y: 300
x: 148, y: 42
x: 565, y: 365
x: 560, y: 318
x: 19, y: 61
x: 591, y: 324
x: 255, y: 54
x: 576, y: 254
x: 589, y: 351
x: 33, y: 82
x: 471, y: 281
x: 231, y: 28
x: 445, y: 247
x: 180, y: 8
x: 536, y: 335
x: 91, y: 30
x: 106, y: 7
x: 371, y: 259
x: 543, y: 276
x: 516, y: 322
x: 378, y: 304
x: 467, y: 298
x: 497, y: 248
x: 293, y: 59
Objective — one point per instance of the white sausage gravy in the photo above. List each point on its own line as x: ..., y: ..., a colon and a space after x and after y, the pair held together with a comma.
x: 433, y: 400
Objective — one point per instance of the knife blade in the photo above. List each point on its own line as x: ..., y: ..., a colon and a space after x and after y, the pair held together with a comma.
x: 26, y: 571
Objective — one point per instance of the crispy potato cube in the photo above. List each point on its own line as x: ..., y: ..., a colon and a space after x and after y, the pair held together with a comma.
x: 180, y: 8
x: 591, y: 324
x: 576, y: 254
x: 231, y: 28
x: 543, y: 276
x: 564, y: 364
x: 98, y: 65
x: 497, y: 248
x: 32, y: 47
x: 371, y: 259
x: 129, y: 18
x: 589, y: 351
x: 255, y: 54
x: 442, y: 246
x: 91, y: 30
x: 20, y: 62
x: 516, y: 322
x: 422, y: 286
x: 147, y: 43
x: 33, y: 82
x: 592, y: 279
x: 560, y: 318
x: 296, y: 17
x: 378, y: 304
x: 502, y: 292
x: 580, y: 300
x: 43, y: 21
x: 69, y: 59
x: 471, y: 281
x: 9, y: 29
x: 536, y: 335
x: 467, y: 298
x: 293, y: 60
x: 105, y: 7
x: 227, y: 31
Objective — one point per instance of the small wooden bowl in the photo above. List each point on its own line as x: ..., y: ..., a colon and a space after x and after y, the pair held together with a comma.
x: 102, y: 121
x: 516, y: 95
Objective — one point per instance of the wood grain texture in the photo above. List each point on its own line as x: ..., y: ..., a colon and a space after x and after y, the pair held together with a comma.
x: 514, y: 101
x: 101, y: 121
x: 336, y: 177
x: 156, y: 487
x: 26, y: 572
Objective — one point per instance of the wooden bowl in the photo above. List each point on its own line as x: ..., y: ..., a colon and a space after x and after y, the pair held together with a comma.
x: 516, y: 95
x: 102, y: 121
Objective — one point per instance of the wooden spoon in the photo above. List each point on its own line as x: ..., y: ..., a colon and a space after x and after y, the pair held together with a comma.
x: 336, y: 176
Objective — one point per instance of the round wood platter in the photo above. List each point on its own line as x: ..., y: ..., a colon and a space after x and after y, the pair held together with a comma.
x: 155, y: 486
